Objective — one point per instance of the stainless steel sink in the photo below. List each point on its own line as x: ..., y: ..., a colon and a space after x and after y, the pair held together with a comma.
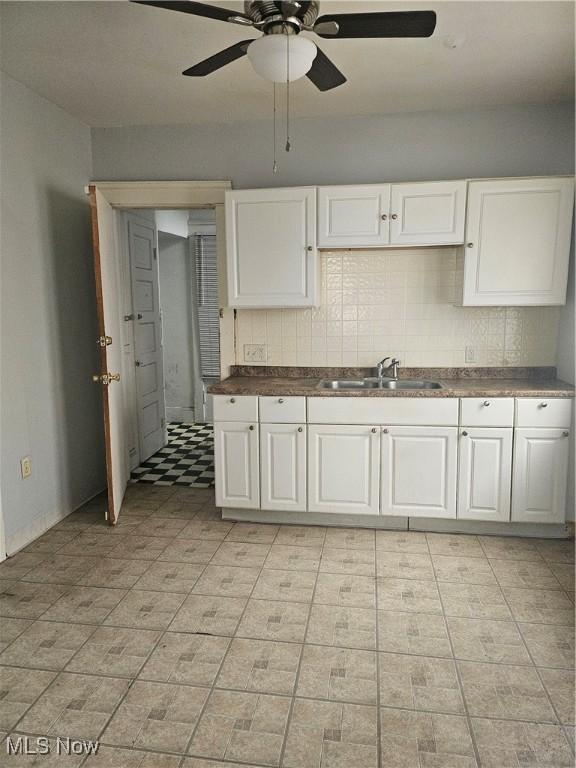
x: 375, y: 383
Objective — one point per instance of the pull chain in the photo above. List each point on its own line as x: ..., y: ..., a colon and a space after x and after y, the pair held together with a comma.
x: 274, y: 164
x: 287, y: 92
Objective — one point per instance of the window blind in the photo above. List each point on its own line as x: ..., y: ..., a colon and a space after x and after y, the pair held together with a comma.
x: 207, y: 303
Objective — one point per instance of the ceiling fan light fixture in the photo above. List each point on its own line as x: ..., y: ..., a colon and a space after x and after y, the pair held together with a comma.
x: 268, y: 57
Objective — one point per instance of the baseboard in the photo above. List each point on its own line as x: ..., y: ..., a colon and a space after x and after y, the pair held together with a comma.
x: 180, y: 415
x: 393, y: 523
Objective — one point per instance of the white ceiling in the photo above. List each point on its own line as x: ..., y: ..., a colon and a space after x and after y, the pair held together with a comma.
x: 117, y: 63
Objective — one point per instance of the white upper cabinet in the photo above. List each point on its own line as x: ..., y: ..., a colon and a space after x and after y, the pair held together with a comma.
x: 518, y: 241
x: 271, y: 247
x: 431, y: 213
x: 353, y: 216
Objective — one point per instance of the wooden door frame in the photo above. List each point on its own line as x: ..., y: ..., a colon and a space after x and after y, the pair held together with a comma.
x: 168, y: 195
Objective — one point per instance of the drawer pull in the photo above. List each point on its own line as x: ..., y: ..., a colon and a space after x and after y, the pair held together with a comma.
x: 280, y: 399
x: 300, y: 429
x: 486, y: 403
x: 565, y: 434
x: 464, y: 434
x: 232, y: 399
x: 543, y: 405
x: 251, y: 427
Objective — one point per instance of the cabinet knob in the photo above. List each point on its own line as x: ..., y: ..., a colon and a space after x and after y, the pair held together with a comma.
x: 385, y: 431
x: 394, y: 216
x: 469, y: 245
x: 486, y: 403
x: 251, y: 427
x: 384, y: 217
x: 280, y: 400
x: 464, y: 434
x: 232, y: 399
x: 300, y: 429
x: 374, y: 430
x: 309, y: 248
x: 543, y: 405
x: 565, y: 434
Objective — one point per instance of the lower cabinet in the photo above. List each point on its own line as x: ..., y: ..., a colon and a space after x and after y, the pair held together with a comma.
x: 283, y: 467
x: 540, y: 475
x: 236, y: 464
x: 419, y: 471
x: 343, y: 469
x: 484, y: 474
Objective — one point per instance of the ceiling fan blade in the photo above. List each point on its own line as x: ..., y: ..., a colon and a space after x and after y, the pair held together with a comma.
x: 324, y: 74
x: 197, y: 9
x: 393, y: 24
x: 219, y: 60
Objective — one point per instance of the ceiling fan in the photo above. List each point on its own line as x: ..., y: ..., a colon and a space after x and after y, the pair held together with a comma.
x: 281, y: 54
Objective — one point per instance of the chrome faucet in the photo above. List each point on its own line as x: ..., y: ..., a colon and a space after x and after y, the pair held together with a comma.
x: 391, y: 369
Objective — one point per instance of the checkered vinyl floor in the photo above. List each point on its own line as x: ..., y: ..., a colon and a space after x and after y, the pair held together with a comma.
x: 187, y: 459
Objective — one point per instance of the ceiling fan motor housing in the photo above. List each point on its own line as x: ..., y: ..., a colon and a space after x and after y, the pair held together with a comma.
x: 281, y: 16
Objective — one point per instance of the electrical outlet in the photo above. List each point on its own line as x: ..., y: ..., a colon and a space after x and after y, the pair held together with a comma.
x: 254, y: 353
x: 470, y: 355
x: 25, y: 467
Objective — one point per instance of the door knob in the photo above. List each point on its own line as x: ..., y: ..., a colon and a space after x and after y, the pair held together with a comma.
x: 105, y: 378
x: 139, y: 316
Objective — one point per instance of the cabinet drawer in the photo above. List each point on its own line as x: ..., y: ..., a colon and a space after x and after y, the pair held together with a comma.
x: 487, y: 411
x: 543, y: 412
x: 235, y: 408
x: 385, y: 410
x: 282, y: 410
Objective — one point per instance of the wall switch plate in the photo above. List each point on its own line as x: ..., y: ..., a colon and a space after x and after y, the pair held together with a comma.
x: 254, y: 353
x: 25, y: 467
x: 470, y: 355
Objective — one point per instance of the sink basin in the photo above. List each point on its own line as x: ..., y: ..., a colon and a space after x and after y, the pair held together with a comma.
x: 377, y: 384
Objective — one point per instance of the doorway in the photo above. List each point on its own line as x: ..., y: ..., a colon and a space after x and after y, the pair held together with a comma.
x: 173, y: 282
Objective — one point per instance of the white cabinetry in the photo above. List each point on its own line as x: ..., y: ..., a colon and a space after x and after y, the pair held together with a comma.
x: 353, y: 216
x: 419, y: 471
x: 428, y: 214
x: 518, y: 241
x: 540, y: 475
x: 484, y: 475
x: 283, y: 466
x: 271, y: 247
x: 343, y: 469
x: 236, y: 464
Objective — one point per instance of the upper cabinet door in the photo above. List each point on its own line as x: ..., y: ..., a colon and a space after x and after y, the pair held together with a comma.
x: 518, y: 241
x: 271, y: 247
x: 350, y: 217
x: 428, y: 214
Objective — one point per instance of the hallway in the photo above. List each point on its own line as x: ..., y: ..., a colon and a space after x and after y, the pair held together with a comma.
x: 187, y: 460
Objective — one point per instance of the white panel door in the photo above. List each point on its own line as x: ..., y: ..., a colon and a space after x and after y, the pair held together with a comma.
x: 343, y: 469
x: 418, y: 471
x: 236, y: 464
x: 518, y: 241
x: 485, y: 474
x: 433, y: 213
x: 353, y: 216
x: 271, y: 247
x: 540, y: 475
x: 283, y: 466
x: 147, y: 336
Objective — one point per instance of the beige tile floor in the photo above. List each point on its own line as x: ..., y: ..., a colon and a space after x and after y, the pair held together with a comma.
x: 180, y: 640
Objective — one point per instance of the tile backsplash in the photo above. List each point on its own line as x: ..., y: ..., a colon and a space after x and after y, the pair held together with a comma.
x: 403, y: 303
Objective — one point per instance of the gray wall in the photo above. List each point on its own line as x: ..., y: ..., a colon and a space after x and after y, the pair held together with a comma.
x: 508, y: 141
x: 50, y: 407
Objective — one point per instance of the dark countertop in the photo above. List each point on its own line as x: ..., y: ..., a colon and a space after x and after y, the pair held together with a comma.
x: 452, y: 385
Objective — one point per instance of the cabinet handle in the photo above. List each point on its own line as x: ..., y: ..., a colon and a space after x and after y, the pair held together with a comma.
x: 385, y: 431
x: 543, y: 405
x: 384, y: 217
x: 232, y: 399
x: 565, y: 434
x: 469, y: 245
x: 309, y: 248
x: 394, y: 216
x: 464, y: 434
x: 486, y: 403
x: 280, y: 400
x: 300, y: 429
x: 374, y: 430
x: 251, y: 427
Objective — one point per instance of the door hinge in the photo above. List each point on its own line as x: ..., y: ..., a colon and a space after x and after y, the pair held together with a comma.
x: 104, y: 341
x: 155, y: 252
x: 162, y: 422
x: 221, y: 313
x: 105, y: 378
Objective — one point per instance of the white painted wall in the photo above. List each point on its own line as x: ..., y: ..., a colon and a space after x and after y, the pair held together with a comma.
x: 172, y: 222
x: 175, y: 301
x: 50, y: 408
x: 504, y: 141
